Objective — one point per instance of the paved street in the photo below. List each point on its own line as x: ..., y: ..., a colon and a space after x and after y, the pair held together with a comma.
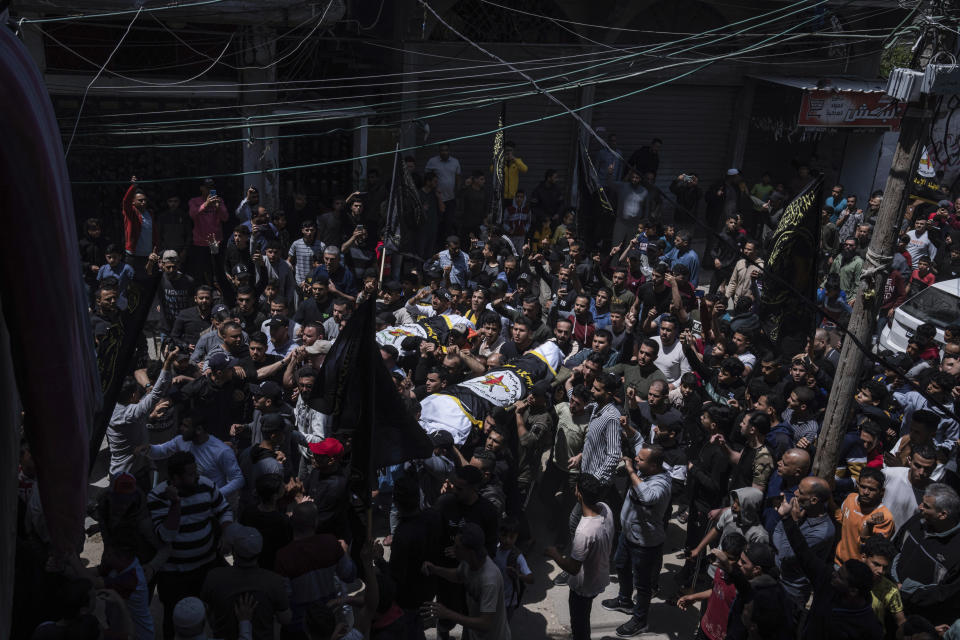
x: 545, y: 614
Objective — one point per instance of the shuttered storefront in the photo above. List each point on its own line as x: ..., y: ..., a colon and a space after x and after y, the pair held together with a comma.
x: 542, y: 145
x: 694, y: 122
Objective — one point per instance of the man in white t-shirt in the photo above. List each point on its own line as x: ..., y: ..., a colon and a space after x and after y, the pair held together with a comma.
x: 920, y: 243
x: 482, y: 581
x: 589, y: 561
x: 670, y: 360
x: 904, y: 486
x: 447, y: 169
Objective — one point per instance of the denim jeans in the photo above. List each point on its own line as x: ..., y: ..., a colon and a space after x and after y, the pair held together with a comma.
x: 637, y: 568
x: 580, y: 615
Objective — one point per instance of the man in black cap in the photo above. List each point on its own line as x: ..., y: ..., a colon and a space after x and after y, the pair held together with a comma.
x: 530, y: 308
x: 391, y: 298
x: 265, y: 455
x: 487, y: 612
x: 176, y: 287
x: 267, y: 401
x: 440, y: 304
x: 280, y: 342
x: 213, y: 396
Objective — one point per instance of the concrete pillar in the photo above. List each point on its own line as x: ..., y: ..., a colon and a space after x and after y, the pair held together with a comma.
x: 741, y: 123
x: 580, y: 135
x: 261, y: 151
x: 360, y: 144
x: 410, y: 104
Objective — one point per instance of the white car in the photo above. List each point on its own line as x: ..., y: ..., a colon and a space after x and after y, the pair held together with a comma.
x: 938, y: 304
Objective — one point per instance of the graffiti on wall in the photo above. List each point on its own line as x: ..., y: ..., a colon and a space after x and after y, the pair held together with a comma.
x: 938, y: 172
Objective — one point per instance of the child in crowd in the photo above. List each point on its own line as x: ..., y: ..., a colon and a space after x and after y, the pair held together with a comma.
x: 516, y: 573
x: 118, y: 269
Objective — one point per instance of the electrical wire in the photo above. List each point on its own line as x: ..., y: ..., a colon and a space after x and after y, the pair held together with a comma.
x: 604, y: 27
x: 295, y: 49
x: 656, y: 48
x: 235, y: 53
x: 83, y: 101
x: 460, y: 137
x: 205, y: 124
x: 470, y: 105
x: 113, y: 14
x: 763, y: 60
x: 446, y: 89
x: 192, y: 78
x: 662, y: 45
x: 216, y: 61
x: 397, y: 123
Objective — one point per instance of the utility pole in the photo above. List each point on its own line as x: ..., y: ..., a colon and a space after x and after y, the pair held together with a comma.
x: 913, y: 87
x: 915, y: 123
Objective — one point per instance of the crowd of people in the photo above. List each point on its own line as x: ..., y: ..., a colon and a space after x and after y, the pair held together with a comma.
x: 672, y: 406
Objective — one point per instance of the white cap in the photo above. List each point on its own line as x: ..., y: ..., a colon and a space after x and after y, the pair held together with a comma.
x: 733, y: 172
x: 189, y: 618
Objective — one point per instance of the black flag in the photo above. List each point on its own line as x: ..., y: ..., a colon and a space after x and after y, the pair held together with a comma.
x: 404, y: 211
x: 590, y: 180
x: 366, y: 408
x: 117, y: 350
x: 497, y: 177
x: 793, y: 259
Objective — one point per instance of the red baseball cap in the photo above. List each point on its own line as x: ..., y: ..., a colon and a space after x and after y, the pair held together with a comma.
x: 327, y: 447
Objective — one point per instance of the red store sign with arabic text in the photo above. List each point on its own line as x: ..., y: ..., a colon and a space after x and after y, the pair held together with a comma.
x: 833, y: 109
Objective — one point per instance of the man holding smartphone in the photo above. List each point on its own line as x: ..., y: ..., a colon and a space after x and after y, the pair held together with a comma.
x: 207, y: 211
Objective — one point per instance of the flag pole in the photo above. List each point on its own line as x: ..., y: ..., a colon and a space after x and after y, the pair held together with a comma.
x: 371, y: 470
x: 390, y: 202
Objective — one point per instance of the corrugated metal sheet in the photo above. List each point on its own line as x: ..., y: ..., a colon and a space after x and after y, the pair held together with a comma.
x: 832, y: 83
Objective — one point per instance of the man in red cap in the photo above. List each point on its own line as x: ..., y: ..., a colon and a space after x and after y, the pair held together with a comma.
x: 327, y: 486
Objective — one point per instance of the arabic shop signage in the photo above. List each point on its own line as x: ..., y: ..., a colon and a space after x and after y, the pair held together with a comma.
x: 850, y: 109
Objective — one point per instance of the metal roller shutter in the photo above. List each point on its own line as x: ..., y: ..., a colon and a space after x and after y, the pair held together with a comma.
x: 542, y: 145
x: 694, y: 122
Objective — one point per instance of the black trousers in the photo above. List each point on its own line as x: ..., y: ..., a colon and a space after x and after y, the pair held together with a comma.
x: 174, y: 586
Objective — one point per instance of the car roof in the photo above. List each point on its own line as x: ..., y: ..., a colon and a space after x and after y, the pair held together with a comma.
x: 949, y: 286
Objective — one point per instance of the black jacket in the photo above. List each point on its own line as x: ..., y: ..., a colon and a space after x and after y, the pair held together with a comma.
x: 726, y: 249
x: 828, y: 619
x: 218, y: 407
x: 929, y: 568
x: 708, y: 477
x: 189, y: 324
x: 768, y: 609
x: 416, y: 539
x: 92, y: 254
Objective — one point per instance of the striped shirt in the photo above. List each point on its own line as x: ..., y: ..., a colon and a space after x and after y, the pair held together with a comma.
x: 601, y: 448
x: 302, y: 255
x: 193, y: 544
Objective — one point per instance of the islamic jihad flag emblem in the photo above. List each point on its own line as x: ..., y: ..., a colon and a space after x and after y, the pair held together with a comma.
x: 500, y: 387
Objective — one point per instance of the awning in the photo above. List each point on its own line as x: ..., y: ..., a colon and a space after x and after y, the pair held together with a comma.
x: 843, y: 103
x: 833, y: 83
